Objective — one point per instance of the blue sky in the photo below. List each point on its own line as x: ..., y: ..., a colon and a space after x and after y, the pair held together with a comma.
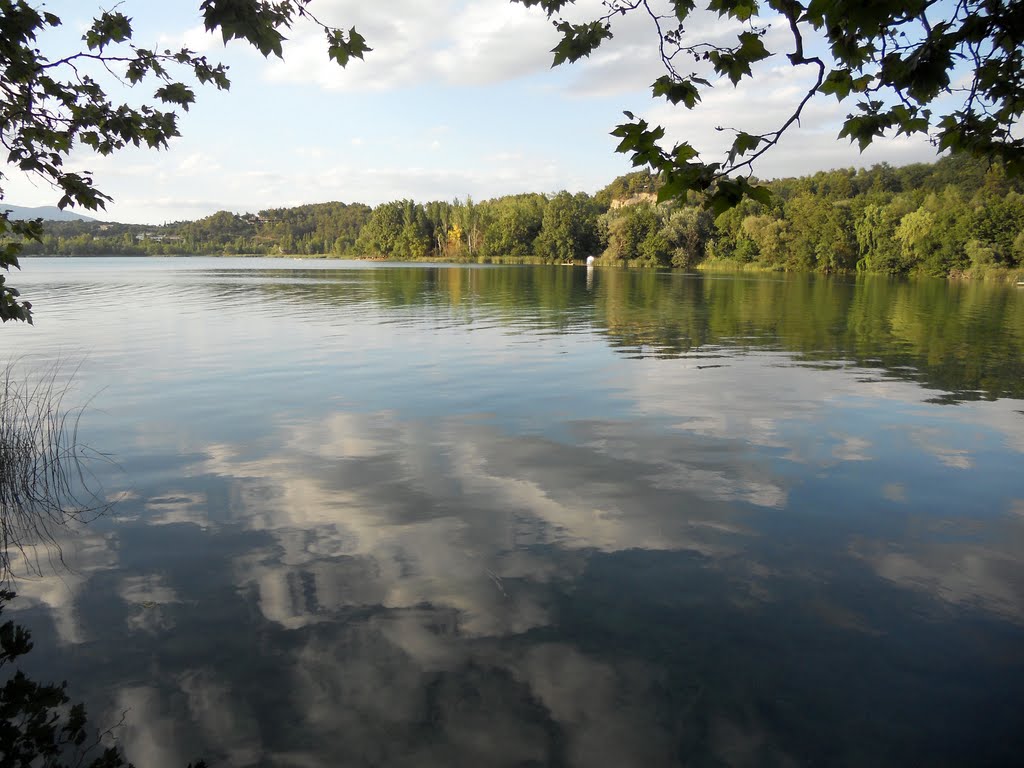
x: 457, y: 98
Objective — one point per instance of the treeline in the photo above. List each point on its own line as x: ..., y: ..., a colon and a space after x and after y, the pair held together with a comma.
x: 953, y: 216
x: 324, y: 229
x: 550, y: 228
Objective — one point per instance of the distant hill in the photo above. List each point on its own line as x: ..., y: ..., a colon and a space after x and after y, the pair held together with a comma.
x: 46, y: 212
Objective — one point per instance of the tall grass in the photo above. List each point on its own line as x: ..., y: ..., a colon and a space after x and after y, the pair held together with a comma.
x: 45, y: 481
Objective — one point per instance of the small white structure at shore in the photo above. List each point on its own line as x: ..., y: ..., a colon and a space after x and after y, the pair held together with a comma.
x: 590, y: 261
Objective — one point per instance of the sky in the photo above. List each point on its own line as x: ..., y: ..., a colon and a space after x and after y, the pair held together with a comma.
x: 457, y: 98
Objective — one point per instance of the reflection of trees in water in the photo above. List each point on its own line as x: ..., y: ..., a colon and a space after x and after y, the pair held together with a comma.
x: 964, y: 338
x: 44, y: 474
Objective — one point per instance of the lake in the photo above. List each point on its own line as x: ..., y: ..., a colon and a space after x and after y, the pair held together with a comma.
x: 414, y: 515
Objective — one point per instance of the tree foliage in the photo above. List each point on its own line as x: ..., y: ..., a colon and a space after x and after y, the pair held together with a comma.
x: 51, y: 105
x: 949, y: 69
x: 568, y: 230
x: 949, y: 218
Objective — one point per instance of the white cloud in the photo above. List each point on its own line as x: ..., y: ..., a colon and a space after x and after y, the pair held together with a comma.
x: 485, y: 42
x: 631, y: 60
x: 895, y: 492
x: 851, y: 448
x: 198, y: 163
x: 336, y: 493
x: 223, y: 717
x: 257, y: 189
x: 151, y: 735
x: 81, y: 554
x: 149, y: 598
x: 763, y: 104
x: 934, y: 442
x: 494, y: 41
x: 401, y: 37
x: 195, y: 38
x: 981, y: 575
x: 468, y: 44
x: 178, y: 507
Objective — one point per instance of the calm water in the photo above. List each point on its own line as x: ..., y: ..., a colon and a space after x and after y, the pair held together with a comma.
x: 414, y: 516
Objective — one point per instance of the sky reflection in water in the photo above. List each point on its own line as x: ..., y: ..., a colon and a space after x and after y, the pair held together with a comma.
x: 513, y: 516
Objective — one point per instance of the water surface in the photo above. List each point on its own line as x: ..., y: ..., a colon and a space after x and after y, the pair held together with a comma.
x: 443, y: 515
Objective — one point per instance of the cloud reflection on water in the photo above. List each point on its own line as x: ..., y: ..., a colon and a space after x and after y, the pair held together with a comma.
x: 418, y: 582
x: 425, y: 569
x: 448, y: 518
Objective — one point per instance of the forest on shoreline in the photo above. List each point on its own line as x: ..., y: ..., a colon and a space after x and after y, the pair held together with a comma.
x: 954, y: 217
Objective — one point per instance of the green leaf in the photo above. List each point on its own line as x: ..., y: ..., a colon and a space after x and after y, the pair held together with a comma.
x: 342, y: 50
x: 676, y: 91
x: 683, y: 8
x: 727, y: 194
x: 863, y: 129
x: 109, y: 27
x: 744, y: 142
x: 176, y: 93
x: 838, y: 82
x: 551, y: 7
x: 752, y: 47
x: 736, y: 64
x: 642, y: 142
x: 683, y: 153
x: 728, y: 65
x: 674, y: 188
x: 579, y: 40
x: 762, y: 195
x: 737, y: 9
x: 256, y: 23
